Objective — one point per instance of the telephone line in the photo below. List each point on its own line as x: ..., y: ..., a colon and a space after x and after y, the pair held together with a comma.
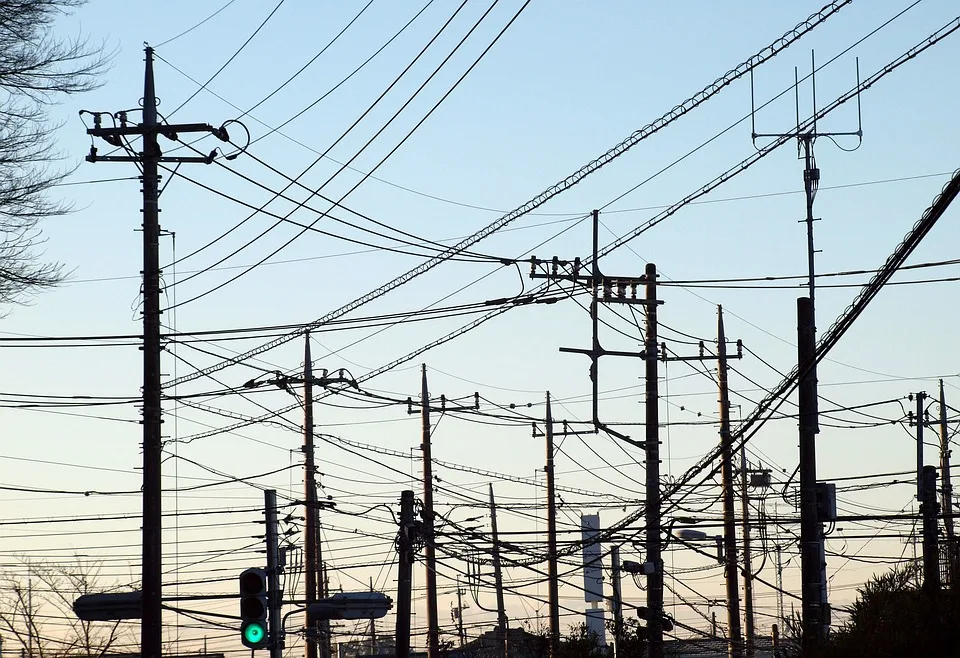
x: 369, y: 109
x: 552, y: 191
x: 392, y: 150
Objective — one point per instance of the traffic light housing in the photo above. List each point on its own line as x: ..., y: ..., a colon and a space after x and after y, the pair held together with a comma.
x: 253, y: 608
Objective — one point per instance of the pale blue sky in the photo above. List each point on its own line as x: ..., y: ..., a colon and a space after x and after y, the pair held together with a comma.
x: 566, y: 82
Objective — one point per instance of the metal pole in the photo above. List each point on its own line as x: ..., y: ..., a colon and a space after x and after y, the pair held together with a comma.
x: 929, y: 510
x: 273, y: 574
x: 498, y: 579
x: 433, y: 622
x: 810, y: 527
x: 652, y: 458
x: 553, y: 582
x: 404, y: 573
x: 617, y: 601
x: 735, y: 640
x: 747, y: 561
x: 310, y: 502
x: 151, y: 630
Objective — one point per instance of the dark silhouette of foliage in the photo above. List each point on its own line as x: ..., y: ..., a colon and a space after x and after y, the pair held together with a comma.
x: 892, y: 617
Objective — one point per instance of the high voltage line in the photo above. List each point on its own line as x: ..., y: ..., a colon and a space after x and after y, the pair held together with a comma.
x: 932, y: 40
x: 681, y: 110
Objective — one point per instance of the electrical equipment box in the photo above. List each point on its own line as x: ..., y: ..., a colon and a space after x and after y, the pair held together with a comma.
x: 826, y: 501
x: 760, y: 479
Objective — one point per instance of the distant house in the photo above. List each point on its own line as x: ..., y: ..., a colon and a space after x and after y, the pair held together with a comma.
x: 711, y: 648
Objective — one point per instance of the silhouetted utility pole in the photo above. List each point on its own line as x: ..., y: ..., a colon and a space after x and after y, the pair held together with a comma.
x: 407, y: 534
x: 623, y: 290
x: 553, y: 590
x: 811, y: 530
x: 747, y: 562
x: 652, y: 522
x: 310, y: 511
x: 929, y: 510
x: 617, y: 602
x: 726, y: 467
x: 947, y: 489
x: 430, y: 552
x: 946, y: 505
x: 318, y: 632
x: 729, y: 510
x: 461, y: 633
x: 920, y: 421
x: 151, y: 638
x: 373, y: 630
x: 433, y: 622
x: 498, y: 578
x: 815, y: 609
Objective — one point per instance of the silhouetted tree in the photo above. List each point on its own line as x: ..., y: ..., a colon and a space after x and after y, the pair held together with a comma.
x: 36, y: 612
x: 581, y: 642
x: 893, y: 617
x: 37, y: 70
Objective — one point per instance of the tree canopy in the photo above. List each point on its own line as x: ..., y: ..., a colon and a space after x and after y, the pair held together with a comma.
x: 892, y: 616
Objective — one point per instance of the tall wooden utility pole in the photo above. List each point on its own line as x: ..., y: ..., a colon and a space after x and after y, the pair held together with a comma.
x: 946, y: 494
x: 311, y: 566
x: 747, y: 562
x: 652, y: 520
x: 498, y: 578
x: 553, y: 591
x: 151, y: 632
x: 430, y: 553
x: 729, y: 511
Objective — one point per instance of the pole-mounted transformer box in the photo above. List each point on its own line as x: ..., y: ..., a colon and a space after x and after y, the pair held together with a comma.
x: 826, y: 501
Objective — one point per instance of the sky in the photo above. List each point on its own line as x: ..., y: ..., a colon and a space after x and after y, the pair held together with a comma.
x: 339, y: 98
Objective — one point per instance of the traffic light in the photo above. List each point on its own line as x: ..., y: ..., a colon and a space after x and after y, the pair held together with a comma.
x: 253, y: 608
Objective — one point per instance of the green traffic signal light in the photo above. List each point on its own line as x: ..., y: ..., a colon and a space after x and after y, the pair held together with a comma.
x: 254, y: 634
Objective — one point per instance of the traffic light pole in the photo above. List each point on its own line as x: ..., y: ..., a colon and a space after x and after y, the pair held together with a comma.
x: 274, y: 595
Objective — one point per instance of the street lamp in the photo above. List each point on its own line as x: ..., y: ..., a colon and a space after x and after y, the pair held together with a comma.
x: 351, y: 605
x: 690, y: 535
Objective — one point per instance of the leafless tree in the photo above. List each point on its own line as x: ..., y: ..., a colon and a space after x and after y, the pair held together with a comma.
x: 36, y: 612
x: 37, y: 70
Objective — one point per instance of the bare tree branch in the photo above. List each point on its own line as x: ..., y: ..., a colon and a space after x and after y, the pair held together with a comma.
x: 37, y: 69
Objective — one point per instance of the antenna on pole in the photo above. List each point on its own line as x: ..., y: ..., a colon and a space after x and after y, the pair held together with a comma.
x: 816, y: 609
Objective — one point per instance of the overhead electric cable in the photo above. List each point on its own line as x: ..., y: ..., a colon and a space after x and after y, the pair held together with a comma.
x: 681, y: 110
x: 392, y: 150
